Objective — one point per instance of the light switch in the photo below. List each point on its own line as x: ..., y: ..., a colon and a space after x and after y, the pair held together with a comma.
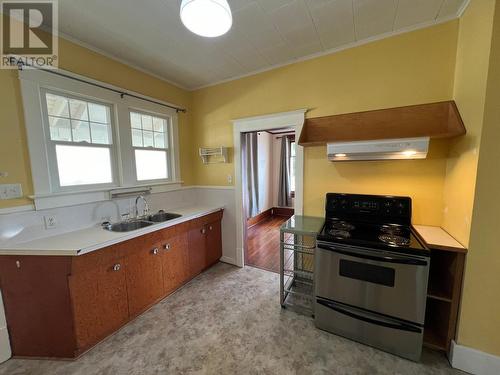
x: 11, y: 191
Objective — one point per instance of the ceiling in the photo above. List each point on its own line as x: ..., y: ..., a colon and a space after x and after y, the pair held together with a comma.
x: 266, y: 33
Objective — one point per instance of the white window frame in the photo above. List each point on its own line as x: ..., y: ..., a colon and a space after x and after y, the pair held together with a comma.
x: 168, y: 142
x: 48, y: 194
x: 51, y: 144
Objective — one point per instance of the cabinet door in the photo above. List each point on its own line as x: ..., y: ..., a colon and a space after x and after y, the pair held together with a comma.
x: 175, y: 260
x: 99, y: 298
x: 214, y: 243
x: 197, y: 249
x: 144, y: 278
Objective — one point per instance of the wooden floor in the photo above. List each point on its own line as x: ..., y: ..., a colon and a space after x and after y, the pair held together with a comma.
x: 263, y: 244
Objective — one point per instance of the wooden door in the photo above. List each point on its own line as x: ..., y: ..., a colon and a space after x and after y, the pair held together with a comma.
x: 144, y: 277
x: 214, y: 243
x: 175, y: 259
x: 99, y: 297
x: 196, y: 248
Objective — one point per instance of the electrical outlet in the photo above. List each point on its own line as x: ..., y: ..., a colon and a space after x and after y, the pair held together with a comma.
x: 50, y: 221
x: 230, y: 179
x: 11, y: 191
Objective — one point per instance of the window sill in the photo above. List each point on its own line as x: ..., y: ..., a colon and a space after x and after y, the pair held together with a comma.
x: 71, y: 198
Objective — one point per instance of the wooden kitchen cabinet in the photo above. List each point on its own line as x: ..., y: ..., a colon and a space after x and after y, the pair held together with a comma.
x: 144, y: 276
x: 99, y: 300
x: 205, y: 244
x: 61, y: 306
x: 175, y: 259
x: 214, y: 243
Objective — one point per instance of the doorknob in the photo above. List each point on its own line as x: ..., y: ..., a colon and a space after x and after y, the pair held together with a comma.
x: 155, y: 251
x: 117, y: 267
x: 167, y: 246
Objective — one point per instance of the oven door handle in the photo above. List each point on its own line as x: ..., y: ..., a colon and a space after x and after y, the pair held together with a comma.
x: 384, y: 323
x: 387, y: 259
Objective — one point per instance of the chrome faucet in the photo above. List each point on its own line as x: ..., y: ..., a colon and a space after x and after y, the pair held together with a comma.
x: 145, y: 211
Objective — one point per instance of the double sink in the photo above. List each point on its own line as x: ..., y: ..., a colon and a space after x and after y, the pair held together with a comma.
x: 130, y: 225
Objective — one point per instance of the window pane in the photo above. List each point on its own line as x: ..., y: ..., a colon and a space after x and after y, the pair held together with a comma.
x: 78, y: 110
x: 160, y: 140
x: 159, y: 124
x: 98, y: 113
x: 292, y: 173
x: 57, y: 105
x: 81, y: 131
x: 147, y: 122
x: 292, y: 149
x: 100, y: 133
x: 81, y: 165
x: 148, y: 139
x: 60, y: 129
x: 136, y: 138
x: 135, y: 120
x: 151, y: 165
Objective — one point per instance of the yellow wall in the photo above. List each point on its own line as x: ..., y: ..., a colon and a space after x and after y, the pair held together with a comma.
x: 473, y: 51
x: 412, y: 68
x: 14, y: 157
x: 480, y: 313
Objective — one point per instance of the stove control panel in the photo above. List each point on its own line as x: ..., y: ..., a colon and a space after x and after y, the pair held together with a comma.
x: 369, y: 207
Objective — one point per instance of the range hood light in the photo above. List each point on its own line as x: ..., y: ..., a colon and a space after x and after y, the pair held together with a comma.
x: 409, y: 153
x: 209, y: 18
x: 380, y: 149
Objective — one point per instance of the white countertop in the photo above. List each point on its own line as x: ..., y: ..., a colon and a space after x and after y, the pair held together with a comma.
x: 86, y: 240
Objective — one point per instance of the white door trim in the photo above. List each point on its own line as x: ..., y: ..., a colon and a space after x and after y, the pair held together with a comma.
x: 292, y: 119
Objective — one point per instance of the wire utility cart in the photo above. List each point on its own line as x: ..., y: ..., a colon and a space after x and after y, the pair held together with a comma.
x: 297, y: 248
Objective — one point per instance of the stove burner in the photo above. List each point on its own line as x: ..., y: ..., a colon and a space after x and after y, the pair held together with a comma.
x: 394, y: 240
x: 395, y: 230
x: 339, y: 234
x: 341, y: 225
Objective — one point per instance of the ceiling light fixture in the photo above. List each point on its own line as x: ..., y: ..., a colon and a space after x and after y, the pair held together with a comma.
x: 409, y: 153
x: 209, y: 18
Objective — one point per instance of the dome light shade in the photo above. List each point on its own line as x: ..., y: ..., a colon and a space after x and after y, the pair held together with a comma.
x: 209, y: 18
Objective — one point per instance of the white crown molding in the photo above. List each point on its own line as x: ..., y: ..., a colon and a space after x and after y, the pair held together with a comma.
x: 122, y: 61
x: 358, y: 43
x: 335, y: 50
x: 473, y: 361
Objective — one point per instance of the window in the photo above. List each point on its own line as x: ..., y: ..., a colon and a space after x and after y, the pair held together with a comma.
x: 86, y: 141
x: 80, y: 141
x: 292, y: 167
x: 151, y: 146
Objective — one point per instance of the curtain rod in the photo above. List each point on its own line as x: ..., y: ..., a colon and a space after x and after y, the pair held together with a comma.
x: 122, y: 93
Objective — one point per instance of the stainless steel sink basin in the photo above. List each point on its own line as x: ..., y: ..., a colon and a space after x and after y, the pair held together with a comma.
x: 127, y: 226
x: 162, y: 216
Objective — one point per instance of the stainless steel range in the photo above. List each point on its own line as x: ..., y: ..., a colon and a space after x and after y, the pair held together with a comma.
x: 371, y: 273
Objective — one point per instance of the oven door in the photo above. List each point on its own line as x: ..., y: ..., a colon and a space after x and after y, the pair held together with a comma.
x: 384, y: 282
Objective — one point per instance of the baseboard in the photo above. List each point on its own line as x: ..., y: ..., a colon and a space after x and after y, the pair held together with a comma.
x: 228, y: 260
x: 473, y: 361
x: 258, y: 218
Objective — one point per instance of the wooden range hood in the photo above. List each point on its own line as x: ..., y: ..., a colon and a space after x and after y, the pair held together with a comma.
x: 434, y: 120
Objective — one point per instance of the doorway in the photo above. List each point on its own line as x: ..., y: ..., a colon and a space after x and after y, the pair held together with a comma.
x: 268, y: 176
x: 247, y: 224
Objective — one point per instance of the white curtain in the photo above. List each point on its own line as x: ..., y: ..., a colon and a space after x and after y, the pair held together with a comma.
x: 284, y: 194
x: 250, y: 174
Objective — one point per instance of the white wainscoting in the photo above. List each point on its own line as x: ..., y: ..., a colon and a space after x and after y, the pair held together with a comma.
x: 474, y: 361
x: 18, y: 227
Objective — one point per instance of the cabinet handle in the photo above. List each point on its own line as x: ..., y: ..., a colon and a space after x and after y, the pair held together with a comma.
x: 155, y: 251
x: 117, y: 267
x: 167, y: 246
x: 203, y: 231
x: 211, y: 227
